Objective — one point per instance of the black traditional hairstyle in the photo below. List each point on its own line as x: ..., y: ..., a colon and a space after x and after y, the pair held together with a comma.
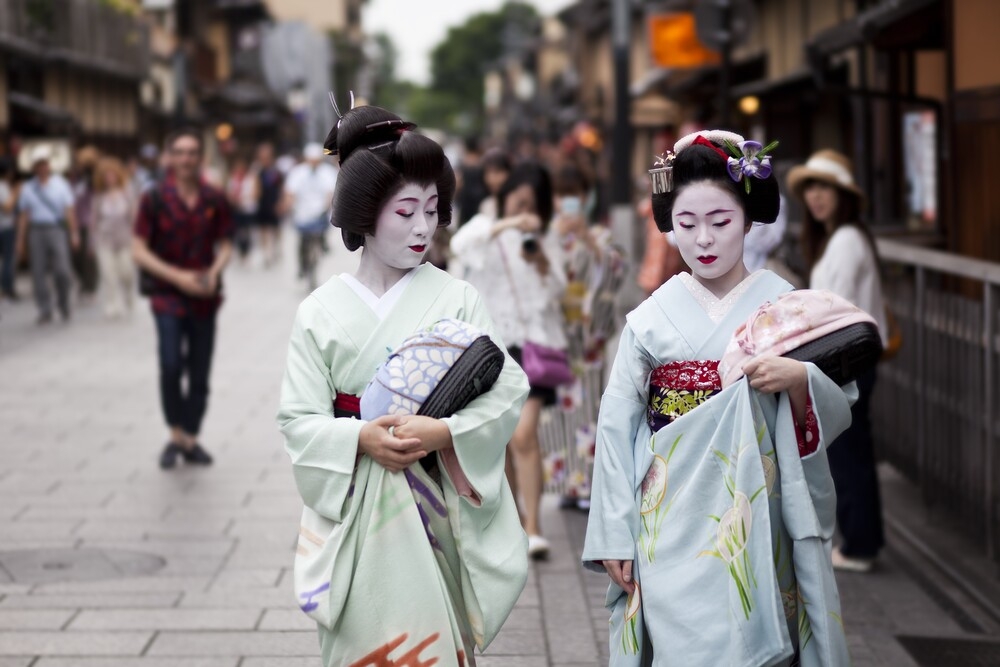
x: 698, y: 163
x: 378, y: 156
x: 535, y: 176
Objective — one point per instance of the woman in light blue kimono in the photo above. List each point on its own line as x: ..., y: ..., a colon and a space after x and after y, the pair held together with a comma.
x: 410, y: 548
x: 713, y: 509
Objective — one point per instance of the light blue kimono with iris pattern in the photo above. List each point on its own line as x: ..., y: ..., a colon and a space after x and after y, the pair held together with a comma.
x: 729, y: 530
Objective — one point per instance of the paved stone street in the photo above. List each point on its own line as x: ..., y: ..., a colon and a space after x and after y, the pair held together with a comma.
x: 192, y: 567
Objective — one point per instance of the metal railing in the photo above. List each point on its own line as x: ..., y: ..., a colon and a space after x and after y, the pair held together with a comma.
x: 935, y: 404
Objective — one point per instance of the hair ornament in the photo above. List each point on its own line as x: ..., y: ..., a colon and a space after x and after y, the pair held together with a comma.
x: 749, y: 159
x: 662, y: 173
x: 718, y: 137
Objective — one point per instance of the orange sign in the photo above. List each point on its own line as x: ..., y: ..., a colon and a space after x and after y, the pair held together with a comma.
x: 674, y: 42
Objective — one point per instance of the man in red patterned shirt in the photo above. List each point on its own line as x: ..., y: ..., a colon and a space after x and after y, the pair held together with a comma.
x: 182, y: 244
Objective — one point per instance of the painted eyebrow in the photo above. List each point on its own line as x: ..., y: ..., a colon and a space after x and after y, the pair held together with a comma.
x: 414, y: 199
x: 715, y: 212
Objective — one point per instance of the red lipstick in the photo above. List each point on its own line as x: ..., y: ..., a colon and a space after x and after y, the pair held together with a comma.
x: 418, y: 248
x: 707, y: 259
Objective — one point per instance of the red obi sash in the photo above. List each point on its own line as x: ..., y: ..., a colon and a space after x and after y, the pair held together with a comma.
x: 347, y: 405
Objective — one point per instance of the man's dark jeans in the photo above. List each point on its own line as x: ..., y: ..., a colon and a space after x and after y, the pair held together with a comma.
x: 185, y: 347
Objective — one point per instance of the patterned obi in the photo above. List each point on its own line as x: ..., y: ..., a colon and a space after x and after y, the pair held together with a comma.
x: 678, y: 387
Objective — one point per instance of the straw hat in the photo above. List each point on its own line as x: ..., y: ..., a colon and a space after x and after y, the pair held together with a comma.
x: 825, y: 166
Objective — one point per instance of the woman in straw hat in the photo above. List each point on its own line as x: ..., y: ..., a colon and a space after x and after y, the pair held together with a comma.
x: 841, y: 256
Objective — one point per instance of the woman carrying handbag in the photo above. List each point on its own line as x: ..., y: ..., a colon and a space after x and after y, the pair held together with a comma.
x: 519, y: 275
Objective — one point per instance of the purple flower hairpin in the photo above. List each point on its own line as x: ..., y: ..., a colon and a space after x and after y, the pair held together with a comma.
x: 749, y: 159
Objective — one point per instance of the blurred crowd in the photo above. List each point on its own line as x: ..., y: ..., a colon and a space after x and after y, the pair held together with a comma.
x: 69, y: 226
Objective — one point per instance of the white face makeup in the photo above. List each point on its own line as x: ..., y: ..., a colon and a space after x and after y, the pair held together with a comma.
x: 709, y: 228
x: 405, y: 227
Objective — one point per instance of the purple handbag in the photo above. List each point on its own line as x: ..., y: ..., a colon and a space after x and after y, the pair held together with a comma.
x: 545, y: 366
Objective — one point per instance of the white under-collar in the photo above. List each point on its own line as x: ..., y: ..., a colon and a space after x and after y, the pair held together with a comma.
x: 383, y: 305
x: 714, y: 307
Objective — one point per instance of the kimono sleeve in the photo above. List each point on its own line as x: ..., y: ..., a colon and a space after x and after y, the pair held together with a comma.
x: 614, y: 518
x: 323, y: 448
x: 481, y: 430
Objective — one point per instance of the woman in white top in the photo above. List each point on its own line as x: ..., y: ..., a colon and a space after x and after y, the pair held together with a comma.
x: 517, y: 269
x: 841, y: 255
x: 113, y: 211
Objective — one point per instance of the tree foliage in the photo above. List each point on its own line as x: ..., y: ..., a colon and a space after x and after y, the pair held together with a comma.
x: 459, y: 62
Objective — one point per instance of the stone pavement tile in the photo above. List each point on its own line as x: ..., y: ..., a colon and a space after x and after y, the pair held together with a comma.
x: 512, y: 661
x: 15, y: 662
x: 34, y: 619
x: 123, y: 530
x: 135, y: 662
x: 81, y: 511
x: 518, y: 642
x: 248, y: 578
x: 286, y: 619
x: 100, y: 601
x: 35, y: 531
x: 73, y: 643
x: 166, y: 619
x: 278, y: 644
x: 525, y: 618
x: 228, y: 598
x: 151, y: 584
x: 283, y: 662
x: 253, y: 527
x: 168, y: 548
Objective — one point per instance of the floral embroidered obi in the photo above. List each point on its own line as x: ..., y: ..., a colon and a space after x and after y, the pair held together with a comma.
x: 678, y: 387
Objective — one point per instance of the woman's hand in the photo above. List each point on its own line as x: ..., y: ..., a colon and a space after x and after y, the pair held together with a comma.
x: 773, y: 374
x: 433, y: 434
x: 620, y: 572
x: 379, y: 441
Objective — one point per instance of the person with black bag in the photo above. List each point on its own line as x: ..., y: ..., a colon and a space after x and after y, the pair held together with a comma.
x: 182, y: 243
x: 47, y: 225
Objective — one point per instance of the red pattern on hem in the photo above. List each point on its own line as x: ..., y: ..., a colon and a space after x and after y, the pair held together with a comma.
x: 808, y: 438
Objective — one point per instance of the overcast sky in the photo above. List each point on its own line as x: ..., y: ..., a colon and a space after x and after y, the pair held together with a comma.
x: 416, y: 26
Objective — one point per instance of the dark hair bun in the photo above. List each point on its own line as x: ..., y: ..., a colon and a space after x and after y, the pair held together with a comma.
x: 364, y: 126
x: 379, y: 155
x: 698, y: 163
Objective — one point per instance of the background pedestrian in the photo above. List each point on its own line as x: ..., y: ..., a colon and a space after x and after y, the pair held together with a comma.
x: 113, y: 210
x: 518, y: 271
x: 842, y: 257
x: 8, y: 229
x: 268, y: 192
x: 183, y: 241
x: 47, y: 223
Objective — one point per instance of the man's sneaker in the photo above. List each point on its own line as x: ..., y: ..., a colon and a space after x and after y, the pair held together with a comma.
x: 43, y: 319
x: 168, y: 458
x: 197, y: 456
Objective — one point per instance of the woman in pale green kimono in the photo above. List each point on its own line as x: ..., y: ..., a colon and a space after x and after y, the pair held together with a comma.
x: 713, y: 509
x: 383, y: 588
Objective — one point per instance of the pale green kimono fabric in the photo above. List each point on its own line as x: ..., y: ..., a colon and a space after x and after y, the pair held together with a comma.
x: 730, y: 535
x: 364, y: 568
